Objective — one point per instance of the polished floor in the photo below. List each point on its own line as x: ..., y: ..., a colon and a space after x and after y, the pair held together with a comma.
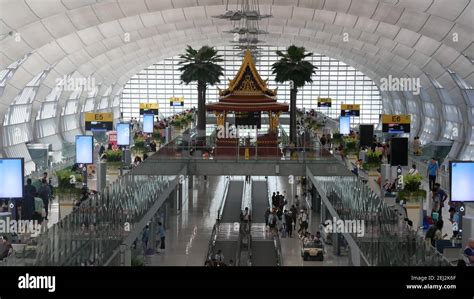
x: 189, y: 231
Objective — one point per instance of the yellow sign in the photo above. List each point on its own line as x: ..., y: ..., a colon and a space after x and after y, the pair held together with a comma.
x: 396, y: 119
x: 146, y: 106
x: 247, y: 154
x: 324, y: 100
x: 350, y: 107
x: 102, y: 117
x: 177, y: 99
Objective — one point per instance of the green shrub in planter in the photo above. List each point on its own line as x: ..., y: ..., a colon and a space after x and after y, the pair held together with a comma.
x: 114, y: 156
x: 350, y: 145
x: 412, y: 182
x: 64, y: 178
x: 374, y: 157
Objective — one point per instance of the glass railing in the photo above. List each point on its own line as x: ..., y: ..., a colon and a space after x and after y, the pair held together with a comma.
x: 387, y: 240
x: 94, y: 230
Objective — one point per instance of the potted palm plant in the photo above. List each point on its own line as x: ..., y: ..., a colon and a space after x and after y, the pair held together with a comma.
x: 201, y: 66
x: 292, y: 67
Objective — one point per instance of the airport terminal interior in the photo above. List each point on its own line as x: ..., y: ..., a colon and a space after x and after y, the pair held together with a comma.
x: 320, y: 133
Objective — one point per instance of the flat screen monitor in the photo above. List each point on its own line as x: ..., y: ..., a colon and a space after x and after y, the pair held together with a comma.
x: 123, y: 134
x: 148, y: 123
x: 462, y: 177
x: 399, y: 151
x: 250, y: 119
x: 366, y: 135
x: 11, y: 177
x: 345, y: 125
x: 84, y: 149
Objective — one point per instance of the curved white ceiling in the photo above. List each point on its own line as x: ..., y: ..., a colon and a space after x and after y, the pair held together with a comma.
x: 415, y: 38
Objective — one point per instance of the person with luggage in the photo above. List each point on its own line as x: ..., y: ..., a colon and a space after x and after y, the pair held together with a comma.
x: 161, y: 235
x: 288, y: 224
x: 303, y: 220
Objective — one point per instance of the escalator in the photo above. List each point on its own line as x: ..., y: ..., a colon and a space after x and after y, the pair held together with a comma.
x: 264, y: 249
x: 228, y: 232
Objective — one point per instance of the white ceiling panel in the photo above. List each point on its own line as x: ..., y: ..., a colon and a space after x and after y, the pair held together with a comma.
x: 192, y: 13
x: 71, y: 4
x: 59, y: 25
x: 282, y: 12
x: 46, y: 8
x: 337, y: 5
x: 301, y: 13
x: 131, y: 23
x: 407, y: 37
x: 427, y: 45
x: 70, y: 43
x: 322, y: 16
x: 316, y: 4
x: 35, y: 34
x: 111, y: 29
x: 96, y: 49
x: 412, y: 20
x: 437, y: 28
x: 35, y: 64
x: 22, y: 13
x: 108, y: 11
x: 184, y: 3
x: 387, y: 30
x: 345, y: 20
x: 90, y: 35
x: 132, y: 8
x: 14, y: 50
x: 83, y: 17
x: 173, y: 15
x: 51, y: 52
x: 445, y: 55
x: 387, y: 13
x: 448, y: 9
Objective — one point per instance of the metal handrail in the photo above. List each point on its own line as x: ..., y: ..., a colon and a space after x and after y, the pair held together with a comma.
x: 224, y: 197
x: 212, y: 243
x: 277, y: 244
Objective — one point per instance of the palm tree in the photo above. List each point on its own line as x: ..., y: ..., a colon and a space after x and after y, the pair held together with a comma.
x: 292, y: 67
x: 201, y: 66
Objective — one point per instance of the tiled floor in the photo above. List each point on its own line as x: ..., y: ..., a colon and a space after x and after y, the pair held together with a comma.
x: 188, y: 236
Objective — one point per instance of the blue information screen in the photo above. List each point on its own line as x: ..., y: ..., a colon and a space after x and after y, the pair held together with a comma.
x: 148, y: 123
x: 123, y: 134
x: 462, y: 176
x: 11, y: 178
x: 84, y: 149
x: 345, y: 125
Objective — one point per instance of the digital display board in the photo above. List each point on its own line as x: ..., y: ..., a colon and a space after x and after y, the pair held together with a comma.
x: 99, y: 121
x: 461, y: 176
x: 350, y: 110
x: 148, y: 120
x: 345, y: 125
x: 148, y: 108
x: 248, y: 119
x: 11, y: 177
x: 123, y: 134
x: 84, y: 149
x: 396, y: 124
x: 176, y: 102
x: 324, y: 102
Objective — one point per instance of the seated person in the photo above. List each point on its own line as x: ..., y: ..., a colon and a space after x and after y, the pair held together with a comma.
x: 6, y: 248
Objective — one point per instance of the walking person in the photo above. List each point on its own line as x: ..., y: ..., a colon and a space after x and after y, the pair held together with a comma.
x: 432, y: 172
x: 245, y: 217
x: 161, y: 234
x: 145, y: 238
x: 44, y: 193
x: 288, y: 224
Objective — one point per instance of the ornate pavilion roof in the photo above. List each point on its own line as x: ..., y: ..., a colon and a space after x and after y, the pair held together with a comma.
x: 247, y: 92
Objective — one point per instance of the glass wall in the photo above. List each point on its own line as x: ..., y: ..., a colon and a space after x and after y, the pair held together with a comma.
x: 334, y: 79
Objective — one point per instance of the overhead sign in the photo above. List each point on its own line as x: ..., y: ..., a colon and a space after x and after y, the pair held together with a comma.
x: 324, y: 102
x: 245, y: 118
x: 396, y: 124
x: 177, y: 102
x: 350, y: 110
x: 396, y: 118
x: 149, y: 108
x: 99, y: 121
